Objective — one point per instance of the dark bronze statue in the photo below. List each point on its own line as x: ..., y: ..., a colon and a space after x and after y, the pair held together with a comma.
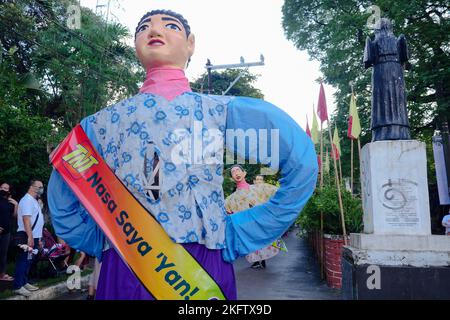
x: 388, y: 55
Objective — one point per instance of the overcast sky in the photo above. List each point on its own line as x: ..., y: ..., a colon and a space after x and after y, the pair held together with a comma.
x: 227, y: 30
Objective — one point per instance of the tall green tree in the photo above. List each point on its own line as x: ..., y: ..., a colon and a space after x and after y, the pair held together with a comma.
x: 52, y: 76
x: 334, y: 33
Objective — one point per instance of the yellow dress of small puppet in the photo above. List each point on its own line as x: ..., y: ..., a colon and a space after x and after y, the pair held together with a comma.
x: 243, y: 199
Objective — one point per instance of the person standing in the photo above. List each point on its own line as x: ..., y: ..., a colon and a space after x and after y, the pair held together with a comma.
x: 446, y: 224
x: 6, y: 212
x: 13, y: 203
x: 30, y: 225
x: 93, y: 280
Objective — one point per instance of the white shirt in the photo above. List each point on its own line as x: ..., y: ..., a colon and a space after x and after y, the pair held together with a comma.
x: 29, y: 206
x: 446, y: 220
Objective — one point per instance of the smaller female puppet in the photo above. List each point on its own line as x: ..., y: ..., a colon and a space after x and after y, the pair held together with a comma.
x: 247, y: 196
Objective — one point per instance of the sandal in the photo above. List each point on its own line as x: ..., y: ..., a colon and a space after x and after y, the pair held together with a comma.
x: 7, y: 277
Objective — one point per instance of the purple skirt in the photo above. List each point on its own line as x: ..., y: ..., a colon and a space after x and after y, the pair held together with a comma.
x: 117, y: 282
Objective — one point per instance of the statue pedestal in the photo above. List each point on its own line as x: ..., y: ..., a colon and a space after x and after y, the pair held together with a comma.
x: 396, y: 257
x: 395, y: 188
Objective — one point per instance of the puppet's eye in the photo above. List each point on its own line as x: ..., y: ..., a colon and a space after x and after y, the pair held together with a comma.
x: 173, y: 26
x: 142, y: 28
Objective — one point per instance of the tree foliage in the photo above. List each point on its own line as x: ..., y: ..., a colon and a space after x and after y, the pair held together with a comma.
x: 52, y: 76
x: 334, y: 33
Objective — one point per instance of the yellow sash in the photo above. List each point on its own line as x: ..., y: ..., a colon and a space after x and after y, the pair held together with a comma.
x: 165, y: 268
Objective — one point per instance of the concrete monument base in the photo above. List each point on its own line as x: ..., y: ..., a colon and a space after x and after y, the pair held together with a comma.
x: 396, y: 267
x: 395, y: 188
x: 396, y: 257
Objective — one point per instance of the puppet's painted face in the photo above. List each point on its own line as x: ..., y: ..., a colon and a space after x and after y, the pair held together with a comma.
x: 161, y: 42
x: 237, y: 174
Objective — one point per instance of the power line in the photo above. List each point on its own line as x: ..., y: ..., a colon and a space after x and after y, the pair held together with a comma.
x: 98, y: 48
x: 55, y: 52
x: 62, y: 59
x: 89, y: 43
x: 60, y: 55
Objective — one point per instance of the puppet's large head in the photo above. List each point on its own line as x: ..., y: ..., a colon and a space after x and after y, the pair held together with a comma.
x: 163, y: 38
x: 237, y: 173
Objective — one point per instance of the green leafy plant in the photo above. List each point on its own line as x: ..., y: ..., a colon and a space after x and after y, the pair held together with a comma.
x: 326, y: 201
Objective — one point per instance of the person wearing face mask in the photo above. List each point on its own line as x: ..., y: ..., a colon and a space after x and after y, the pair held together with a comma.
x: 13, y: 203
x: 6, y: 212
x: 30, y: 224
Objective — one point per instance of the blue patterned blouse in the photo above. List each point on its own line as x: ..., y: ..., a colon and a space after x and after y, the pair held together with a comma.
x: 187, y: 136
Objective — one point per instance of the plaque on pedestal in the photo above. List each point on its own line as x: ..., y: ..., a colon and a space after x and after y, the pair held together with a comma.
x: 395, y: 188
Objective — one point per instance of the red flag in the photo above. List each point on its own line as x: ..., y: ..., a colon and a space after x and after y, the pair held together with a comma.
x: 308, y: 132
x: 350, y: 126
x: 335, y: 153
x: 322, y: 105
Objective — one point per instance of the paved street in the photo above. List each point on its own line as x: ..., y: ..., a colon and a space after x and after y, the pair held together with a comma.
x: 289, y: 276
x: 294, y: 275
x: 76, y: 295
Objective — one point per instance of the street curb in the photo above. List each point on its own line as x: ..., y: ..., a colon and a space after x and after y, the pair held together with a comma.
x: 50, y: 293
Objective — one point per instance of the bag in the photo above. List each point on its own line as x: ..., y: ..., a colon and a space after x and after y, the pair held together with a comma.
x: 21, y: 237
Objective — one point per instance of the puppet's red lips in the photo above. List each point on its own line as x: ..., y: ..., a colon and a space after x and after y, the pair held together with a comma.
x: 156, y: 42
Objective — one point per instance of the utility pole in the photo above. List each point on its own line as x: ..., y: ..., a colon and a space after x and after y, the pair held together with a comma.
x: 99, y: 9
x: 242, y: 64
x: 209, y: 66
x: 107, y: 11
x: 446, y: 146
x: 98, y: 6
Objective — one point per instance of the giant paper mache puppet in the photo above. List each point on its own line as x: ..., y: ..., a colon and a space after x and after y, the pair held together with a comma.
x: 138, y: 139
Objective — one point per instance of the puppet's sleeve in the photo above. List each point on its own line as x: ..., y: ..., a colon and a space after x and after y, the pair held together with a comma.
x: 292, y: 153
x: 70, y: 219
